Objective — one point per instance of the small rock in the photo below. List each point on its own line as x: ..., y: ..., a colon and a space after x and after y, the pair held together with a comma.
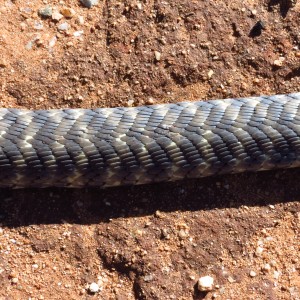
x: 157, y: 55
x: 130, y: 102
x: 56, y: 16
x: 150, y: 101
x: 23, y: 26
x: 63, y: 26
x: 252, y: 274
x: 94, y: 287
x: 254, y: 12
x: 15, y: 280
x: 205, y: 284
x: 278, y: 62
x: 67, y: 12
x: 52, y: 42
x: 210, y: 73
x: 38, y: 25
x: 89, y: 3
x: 80, y: 20
x: 148, y: 278
x: 139, y: 5
x: 276, y: 274
x: 230, y: 279
x: 259, y: 250
x: 3, y: 64
x: 266, y: 268
x: 45, y: 12
x: 257, y: 29
x: 78, y: 33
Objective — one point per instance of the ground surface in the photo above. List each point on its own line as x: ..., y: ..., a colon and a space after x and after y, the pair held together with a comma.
x: 150, y: 242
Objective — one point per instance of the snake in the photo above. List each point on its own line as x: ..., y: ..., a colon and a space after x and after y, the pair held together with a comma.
x: 107, y: 147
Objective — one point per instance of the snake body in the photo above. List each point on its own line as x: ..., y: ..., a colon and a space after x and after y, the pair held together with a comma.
x: 119, y: 146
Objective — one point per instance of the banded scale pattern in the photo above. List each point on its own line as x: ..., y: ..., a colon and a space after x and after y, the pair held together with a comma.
x: 119, y: 146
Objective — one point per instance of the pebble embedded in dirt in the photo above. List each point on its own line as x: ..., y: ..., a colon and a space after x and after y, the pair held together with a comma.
x: 94, y: 287
x: 89, y: 3
x: 68, y: 12
x: 252, y: 274
x: 205, y: 283
x: 45, y: 12
x: 56, y: 16
x: 157, y: 55
x: 63, y: 27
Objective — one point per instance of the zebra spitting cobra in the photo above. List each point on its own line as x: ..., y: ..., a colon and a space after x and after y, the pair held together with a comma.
x: 139, y: 145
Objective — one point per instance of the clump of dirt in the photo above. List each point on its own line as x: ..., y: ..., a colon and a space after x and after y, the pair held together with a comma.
x: 150, y: 242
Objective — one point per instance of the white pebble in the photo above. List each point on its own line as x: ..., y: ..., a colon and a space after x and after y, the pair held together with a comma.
x: 205, y: 283
x: 130, y: 102
x: 276, y: 274
x: 259, y: 250
x: 78, y: 33
x: 266, y: 268
x: 94, y: 287
x: 157, y: 55
x: 252, y: 274
x: 52, y: 42
x: 56, y: 16
x: 210, y: 73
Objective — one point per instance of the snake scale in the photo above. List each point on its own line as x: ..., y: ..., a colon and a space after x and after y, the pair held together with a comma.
x: 138, y: 145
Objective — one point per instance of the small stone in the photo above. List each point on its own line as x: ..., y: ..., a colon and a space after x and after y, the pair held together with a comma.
x: 3, y: 64
x: 78, y: 33
x: 278, y: 62
x: 158, y: 214
x: 56, y: 16
x: 23, y: 26
x: 52, y: 42
x: 94, y: 287
x: 89, y: 3
x: 210, y: 73
x: 148, y: 278
x: 252, y: 274
x: 45, y: 12
x: 130, y: 102
x: 276, y: 274
x: 38, y: 25
x: 205, y: 284
x: 63, y: 26
x: 139, y: 5
x: 259, y: 250
x: 266, y: 268
x: 254, y: 12
x: 15, y: 280
x: 35, y: 266
x: 150, y: 101
x: 230, y: 279
x: 80, y: 20
x: 67, y: 12
x: 157, y: 55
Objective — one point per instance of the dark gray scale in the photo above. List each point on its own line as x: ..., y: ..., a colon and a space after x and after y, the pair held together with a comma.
x: 106, y: 147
